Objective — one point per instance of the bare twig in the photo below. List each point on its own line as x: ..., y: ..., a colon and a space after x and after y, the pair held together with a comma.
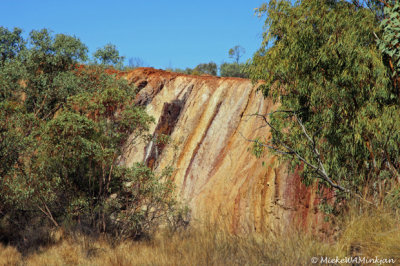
x: 265, y: 145
x: 48, y: 214
x: 41, y: 106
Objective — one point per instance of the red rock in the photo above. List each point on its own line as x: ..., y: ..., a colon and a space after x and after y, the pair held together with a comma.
x: 214, y: 171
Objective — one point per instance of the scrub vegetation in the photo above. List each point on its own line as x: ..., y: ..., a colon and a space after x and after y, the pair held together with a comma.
x: 63, y: 129
x: 65, y: 121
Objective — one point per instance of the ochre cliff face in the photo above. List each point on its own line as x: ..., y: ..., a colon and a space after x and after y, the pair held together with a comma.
x: 208, y: 119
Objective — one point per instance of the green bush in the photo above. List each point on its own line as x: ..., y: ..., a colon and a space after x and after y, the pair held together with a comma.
x: 233, y: 70
x: 339, y: 108
x: 63, y: 129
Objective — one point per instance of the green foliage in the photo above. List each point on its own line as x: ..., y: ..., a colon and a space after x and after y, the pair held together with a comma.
x: 258, y: 148
x: 389, y: 42
x: 187, y: 71
x: 201, y: 69
x: 140, y: 202
x: 11, y: 43
x: 321, y: 61
x: 233, y: 70
x: 63, y: 130
x: 109, y: 55
x: 226, y: 70
x: 208, y: 68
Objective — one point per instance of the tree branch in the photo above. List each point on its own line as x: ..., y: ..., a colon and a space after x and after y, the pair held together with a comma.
x: 319, y: 168
x: 47, y: 213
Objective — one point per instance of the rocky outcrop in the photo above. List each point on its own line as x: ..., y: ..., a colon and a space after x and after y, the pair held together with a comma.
x: 208, y: 119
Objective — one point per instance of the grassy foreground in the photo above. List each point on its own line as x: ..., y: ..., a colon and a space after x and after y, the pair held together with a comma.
x: 370, y: 234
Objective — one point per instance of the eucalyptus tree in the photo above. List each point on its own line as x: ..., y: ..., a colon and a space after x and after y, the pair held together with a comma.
x: 63, y: 129
x: 339, y: 115
x: 236, y: 53
x: 109, y: 55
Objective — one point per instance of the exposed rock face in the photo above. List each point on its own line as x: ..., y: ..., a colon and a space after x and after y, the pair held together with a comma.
x: 215, y: 173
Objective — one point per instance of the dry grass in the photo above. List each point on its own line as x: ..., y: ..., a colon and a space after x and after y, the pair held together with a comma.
x: 192, y: 247
x: 9, y: 256
x: 196, y: 247
x: 370, y: 234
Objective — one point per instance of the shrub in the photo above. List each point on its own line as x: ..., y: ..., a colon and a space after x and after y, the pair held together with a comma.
x: 63, y: 130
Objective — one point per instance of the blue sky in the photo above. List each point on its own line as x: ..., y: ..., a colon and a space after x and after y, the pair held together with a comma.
x: 162, y: 33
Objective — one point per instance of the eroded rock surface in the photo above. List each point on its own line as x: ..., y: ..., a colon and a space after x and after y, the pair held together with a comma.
x: 208, y: 119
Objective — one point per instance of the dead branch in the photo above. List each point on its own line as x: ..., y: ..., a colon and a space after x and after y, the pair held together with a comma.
x: 47, y: 213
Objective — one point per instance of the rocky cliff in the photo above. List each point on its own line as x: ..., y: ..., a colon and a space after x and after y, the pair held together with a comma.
x: 215, y: 173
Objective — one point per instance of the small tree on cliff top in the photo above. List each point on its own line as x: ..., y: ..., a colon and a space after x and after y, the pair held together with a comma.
x: 109, y: 55
x: 234, y: 69
x: 236, y: 53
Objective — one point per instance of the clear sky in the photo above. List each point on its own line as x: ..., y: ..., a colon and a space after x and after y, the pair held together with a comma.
x: 163, y: 33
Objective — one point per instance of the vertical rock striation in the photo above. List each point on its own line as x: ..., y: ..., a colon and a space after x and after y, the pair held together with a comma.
x: 215, y: 173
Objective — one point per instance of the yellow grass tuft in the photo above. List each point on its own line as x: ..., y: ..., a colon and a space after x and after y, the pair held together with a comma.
x: 372, y: 233
x: 9, y: 256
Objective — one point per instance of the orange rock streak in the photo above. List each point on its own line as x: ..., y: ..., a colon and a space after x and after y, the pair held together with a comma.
x: 214, y: 170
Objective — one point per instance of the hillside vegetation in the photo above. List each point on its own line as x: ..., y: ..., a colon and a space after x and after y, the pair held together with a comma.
x: 63, y: 127
x: 332, y: 65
